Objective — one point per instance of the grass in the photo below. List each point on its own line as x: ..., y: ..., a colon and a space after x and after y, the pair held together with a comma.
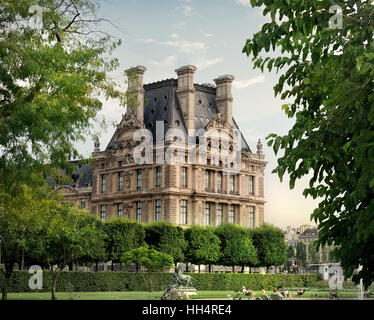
x: 144, y: 295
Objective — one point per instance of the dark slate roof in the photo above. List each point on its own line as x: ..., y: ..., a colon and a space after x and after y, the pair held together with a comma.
x: 311, y: 232
x: 161, y: 104
x: 82, y: 176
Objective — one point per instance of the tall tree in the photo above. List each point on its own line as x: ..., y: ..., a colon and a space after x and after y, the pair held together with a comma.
x: 163, y: 236
x: 270, y: 244
x: 66, y: 237
x: 203, y: 246
x: 20, y: 216
x: 301, y: 257
x: 123, y: 235
x: 237, y: 248
x: 313, y: 253
x: 328, y: 71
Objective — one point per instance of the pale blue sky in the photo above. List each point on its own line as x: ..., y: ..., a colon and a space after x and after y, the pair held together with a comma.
x: 165, y: 34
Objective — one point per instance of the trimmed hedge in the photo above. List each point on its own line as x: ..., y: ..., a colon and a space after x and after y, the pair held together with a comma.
x: 136, y: 281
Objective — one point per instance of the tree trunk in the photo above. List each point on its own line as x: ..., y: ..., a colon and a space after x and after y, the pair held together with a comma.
x: 199, y: 268
x: 121, y: 266
x: 71, y: 266
x: 54, y: 282
x: 233, y: 269
x: 7, y: 275
x: 96, y: 266
x: 210, y: 268
x: 5, y: 288
x: 186, y: 266
x: 112, y: 266
x: 242, y: 269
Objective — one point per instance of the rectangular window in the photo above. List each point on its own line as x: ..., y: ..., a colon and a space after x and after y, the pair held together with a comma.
x: 158, y: 177
x: 251, y: 217
x: 207, y: 214
x: 219, y: 181
x: 139, y: 211
x: 120, y: 164
x: 207, y: 180
x: 138, y: 179
x: 120, y: 210
x: 232, y: 183
x: 219, y: 214
x: 158, y: 210
x: 184, y: 177
x: 183, y: 211
x: 103, y: 183
x: 83, y: 203
x: 120, y: 181
x: 251, y: 185
x: 102, y: 212
x: 231, y: 214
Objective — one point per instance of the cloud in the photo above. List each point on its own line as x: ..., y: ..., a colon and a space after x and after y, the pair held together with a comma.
x: 205, y: 63
x: 147, y: 40
x: 187, y: 10
x: 241, y: 84
x: 208, y: 35
x: 194, y: 47
x: 245, y: 3
x: 184, y: 45
x: 169, y: 61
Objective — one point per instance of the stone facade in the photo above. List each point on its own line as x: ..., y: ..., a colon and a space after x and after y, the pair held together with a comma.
x: 180, y: 191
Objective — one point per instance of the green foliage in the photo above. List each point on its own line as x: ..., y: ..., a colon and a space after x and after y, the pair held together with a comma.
x: 123, y: 235
x: 163, y: 236
x: 134, y: 281
x: 290, y: 252
x: 50, y: 80
x: 270, y: 245
x: 301, y: 253
x: 151, y: 259
x: 236, y: 246
x: 313, y: 253
x: 328, y: 76
x: 203, y: 246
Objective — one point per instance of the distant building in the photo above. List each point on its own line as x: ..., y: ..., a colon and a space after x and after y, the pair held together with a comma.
x: 307, y: 234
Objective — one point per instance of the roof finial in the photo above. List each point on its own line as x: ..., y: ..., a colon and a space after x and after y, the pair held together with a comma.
x: 97, y: 145
x: 259, y: 147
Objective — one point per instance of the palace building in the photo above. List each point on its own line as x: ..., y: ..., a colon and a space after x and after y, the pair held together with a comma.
x: 162, y: 165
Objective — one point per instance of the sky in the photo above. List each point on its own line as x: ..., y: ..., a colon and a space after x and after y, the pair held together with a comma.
x: 163, y: 35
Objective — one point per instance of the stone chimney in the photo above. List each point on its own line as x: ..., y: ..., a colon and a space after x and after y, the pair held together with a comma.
x: 135, y: 91
x: 224, y: 97
x: 186, y: 94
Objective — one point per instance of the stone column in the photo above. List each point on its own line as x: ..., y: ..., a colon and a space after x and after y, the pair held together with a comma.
x: 135, y: 91
x: 186, y: 94
x: 224, y: 97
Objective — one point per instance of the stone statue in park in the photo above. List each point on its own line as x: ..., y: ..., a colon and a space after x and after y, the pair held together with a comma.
x: 176, y: 289
x: 179, y: 277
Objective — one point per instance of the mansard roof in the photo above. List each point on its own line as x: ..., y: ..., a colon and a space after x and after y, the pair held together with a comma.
x: 161, y: 104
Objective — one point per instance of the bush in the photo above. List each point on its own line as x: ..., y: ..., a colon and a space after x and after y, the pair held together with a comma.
x: 134, y: 281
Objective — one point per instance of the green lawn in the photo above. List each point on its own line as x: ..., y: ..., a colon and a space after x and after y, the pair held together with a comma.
x: 143, y: 295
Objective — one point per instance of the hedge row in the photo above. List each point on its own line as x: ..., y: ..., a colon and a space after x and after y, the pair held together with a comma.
x: 133, y: 281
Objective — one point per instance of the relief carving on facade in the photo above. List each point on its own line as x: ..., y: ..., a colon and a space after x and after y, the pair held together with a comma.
x: 218, y: 122
x: 127, y: 180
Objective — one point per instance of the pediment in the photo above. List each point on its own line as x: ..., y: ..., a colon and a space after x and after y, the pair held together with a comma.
x: 66, y: 190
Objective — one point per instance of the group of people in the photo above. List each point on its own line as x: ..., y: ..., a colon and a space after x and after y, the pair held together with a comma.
x: 283, y: 294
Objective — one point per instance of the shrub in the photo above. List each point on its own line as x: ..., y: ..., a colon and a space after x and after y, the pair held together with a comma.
x: 134, y: 281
